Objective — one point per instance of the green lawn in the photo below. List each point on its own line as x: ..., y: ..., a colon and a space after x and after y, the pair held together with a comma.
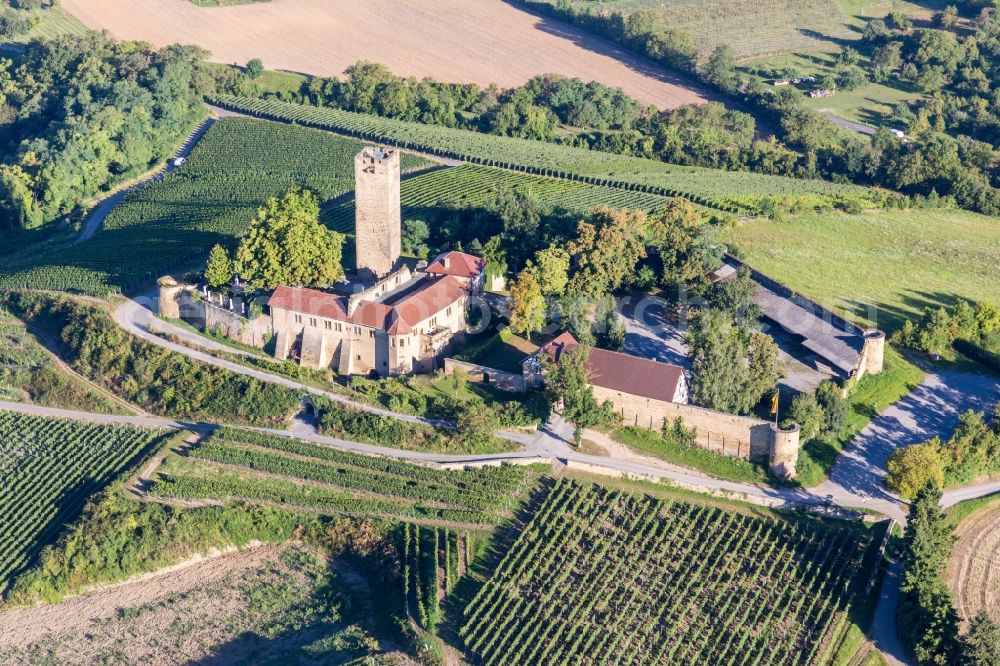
x: 879, y: 267
x: 762, y: 26
x: 867, y: 104
x: 713, y: 464
x: 503, y: 352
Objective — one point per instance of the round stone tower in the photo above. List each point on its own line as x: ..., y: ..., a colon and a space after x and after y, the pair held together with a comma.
x: 784, y: 454
x: 874, y: 351
x: 167, y: 304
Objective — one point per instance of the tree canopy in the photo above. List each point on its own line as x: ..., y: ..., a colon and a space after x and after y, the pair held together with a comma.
x: 79, y: 114
x: 287, y: 245
x: 733, y: 367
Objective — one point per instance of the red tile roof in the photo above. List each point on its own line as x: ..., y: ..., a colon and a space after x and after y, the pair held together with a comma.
x: 397, y: 319
x: 309, y: 301
x: 623, y: 372
x: 430, y: 299
x: 459, y: 264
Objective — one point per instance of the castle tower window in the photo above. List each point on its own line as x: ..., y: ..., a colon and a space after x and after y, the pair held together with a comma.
x: 312, y: 321
x: 328, y: 325
x: 298, y: 319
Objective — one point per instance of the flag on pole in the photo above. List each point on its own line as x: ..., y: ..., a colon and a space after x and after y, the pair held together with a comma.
x: 774, y: 403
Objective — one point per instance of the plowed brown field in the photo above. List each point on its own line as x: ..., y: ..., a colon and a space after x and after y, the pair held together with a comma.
x: 464, y: 41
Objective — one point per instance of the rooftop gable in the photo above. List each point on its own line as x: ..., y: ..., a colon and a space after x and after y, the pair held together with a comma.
x: 622, y: 372
x: 458, y: 264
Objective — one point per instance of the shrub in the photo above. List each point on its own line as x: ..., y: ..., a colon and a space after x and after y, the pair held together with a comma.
x: 911, y: 467
x: 808, y: 414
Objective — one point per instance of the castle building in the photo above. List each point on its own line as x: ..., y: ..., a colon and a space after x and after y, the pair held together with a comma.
x: 396, y: 321
x: 377, y: 227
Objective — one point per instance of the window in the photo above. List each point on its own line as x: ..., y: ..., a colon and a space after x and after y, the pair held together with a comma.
x: 298, y: 319
x: 371, y: 334
x: 449, y: 310
x: 312, y: 321
x: 328, y: 325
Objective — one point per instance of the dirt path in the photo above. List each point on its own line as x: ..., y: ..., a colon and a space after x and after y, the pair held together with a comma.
x: 974, y: 569
x: 486, y: 41
x: 19, y: 627
x: 619, y: 451
x: 52, y: 349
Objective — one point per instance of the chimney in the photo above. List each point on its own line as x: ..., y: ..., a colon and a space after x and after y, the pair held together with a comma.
x: 446, y: 261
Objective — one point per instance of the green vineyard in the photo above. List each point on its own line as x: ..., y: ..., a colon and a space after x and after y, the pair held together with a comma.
x: 173, y: 222
x: 48, y: 468
x: 244, y: 465
x: 727, y: 190
x: 470, y: 185
x: 606, y: 577
x: 434, y: 558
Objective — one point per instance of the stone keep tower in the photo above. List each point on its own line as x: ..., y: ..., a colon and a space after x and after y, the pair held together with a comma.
x: 376, y: 211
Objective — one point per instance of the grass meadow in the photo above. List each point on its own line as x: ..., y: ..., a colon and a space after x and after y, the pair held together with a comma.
x: 880, y: 267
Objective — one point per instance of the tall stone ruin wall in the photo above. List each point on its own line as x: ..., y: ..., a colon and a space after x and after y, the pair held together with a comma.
x: 222, y: 321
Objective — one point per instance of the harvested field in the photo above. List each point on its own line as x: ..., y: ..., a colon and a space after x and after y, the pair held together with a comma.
x: 487, y: 41
x: 974, y: 569
x: 249, y: 606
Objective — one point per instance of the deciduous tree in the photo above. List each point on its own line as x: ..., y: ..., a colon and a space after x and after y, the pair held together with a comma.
x: 606, y: 250
x: 287, y: 245
x: 527, y: 304
x: 567, y: 380
x: 910, y: 468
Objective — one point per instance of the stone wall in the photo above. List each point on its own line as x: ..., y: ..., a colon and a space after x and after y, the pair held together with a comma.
x: 736, y: 436
x: 219, y: 320
x: 506, y: 381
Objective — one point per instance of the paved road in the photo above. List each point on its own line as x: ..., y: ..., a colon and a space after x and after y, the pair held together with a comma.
x: 650, y: 331
x: 931, y: 409
x: 140, y: 321
x: 104, y: 207
x: 860, y: 128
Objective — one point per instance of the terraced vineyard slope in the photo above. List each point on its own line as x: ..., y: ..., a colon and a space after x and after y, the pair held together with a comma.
x: 245, y: 465
x: 602, y: 576
x: 727, y: 190
x: 48, y: 468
